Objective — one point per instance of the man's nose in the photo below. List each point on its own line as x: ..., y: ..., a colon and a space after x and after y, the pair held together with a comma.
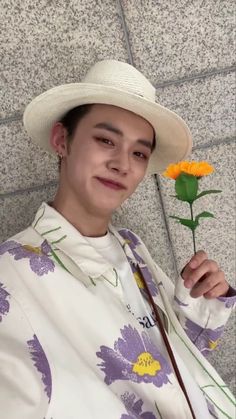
x: 120, y: 162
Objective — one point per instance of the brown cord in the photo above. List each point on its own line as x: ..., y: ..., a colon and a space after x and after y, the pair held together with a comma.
x: 168, y: 347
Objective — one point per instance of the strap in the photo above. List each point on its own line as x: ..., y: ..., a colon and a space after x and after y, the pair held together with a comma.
x: 166, y: 341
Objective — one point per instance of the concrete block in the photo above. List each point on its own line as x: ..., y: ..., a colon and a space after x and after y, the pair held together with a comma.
x: 18, y: 211
x: 171, y: 40
x: 23, y: 164
x: 207, y: 105
x: 46, y: 44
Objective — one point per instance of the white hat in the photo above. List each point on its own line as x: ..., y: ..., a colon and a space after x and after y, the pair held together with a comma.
x: 115, y: 83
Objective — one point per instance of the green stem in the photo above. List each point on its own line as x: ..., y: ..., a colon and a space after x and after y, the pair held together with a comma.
x: 193, y: 230
x: 158, y: 410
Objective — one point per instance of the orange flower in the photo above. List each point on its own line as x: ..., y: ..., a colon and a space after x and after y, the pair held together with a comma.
x: 197, y: 169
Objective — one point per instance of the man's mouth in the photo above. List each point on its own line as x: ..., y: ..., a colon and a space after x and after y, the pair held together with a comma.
x: 111, y: 183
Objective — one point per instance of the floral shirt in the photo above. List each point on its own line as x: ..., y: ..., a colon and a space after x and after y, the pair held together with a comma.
x: 70, y: 348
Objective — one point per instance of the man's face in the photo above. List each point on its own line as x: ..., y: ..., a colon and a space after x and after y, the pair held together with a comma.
x: 110, y: 144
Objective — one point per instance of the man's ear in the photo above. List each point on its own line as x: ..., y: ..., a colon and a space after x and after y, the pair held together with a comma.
x: 58, y: 139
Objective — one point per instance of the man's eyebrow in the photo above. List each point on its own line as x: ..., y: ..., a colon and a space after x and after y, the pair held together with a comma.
x: 146, y: 143
x: 109, y: 127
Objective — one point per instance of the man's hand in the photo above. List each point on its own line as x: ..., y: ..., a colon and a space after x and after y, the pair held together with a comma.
x: 204, y: 277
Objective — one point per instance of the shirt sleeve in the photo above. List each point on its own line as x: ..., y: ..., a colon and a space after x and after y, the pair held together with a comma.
x: 202, y: 319
x: 22, y: 380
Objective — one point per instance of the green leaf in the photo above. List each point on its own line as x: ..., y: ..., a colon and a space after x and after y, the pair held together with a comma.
x: 208, y: 192
x: 186, y: 187
x: 192, y: 224
x: 204, y: 214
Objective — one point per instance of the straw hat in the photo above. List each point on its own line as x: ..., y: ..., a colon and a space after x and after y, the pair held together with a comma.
x: 115, y: 83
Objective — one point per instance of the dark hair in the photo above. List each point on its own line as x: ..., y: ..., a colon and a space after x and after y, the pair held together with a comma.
x: 154, y: 143
x: 71, y: 119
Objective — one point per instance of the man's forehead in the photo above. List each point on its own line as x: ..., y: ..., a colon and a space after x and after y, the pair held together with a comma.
x: 102, y: 115
x: 111, y: 110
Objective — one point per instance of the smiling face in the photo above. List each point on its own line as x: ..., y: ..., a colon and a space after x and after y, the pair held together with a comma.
x: 106, y: 159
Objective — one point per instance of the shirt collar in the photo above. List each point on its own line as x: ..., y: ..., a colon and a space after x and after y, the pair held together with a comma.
x: 62, y: 235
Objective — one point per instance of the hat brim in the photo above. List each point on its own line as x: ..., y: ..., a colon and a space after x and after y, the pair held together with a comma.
x: 173, y: 138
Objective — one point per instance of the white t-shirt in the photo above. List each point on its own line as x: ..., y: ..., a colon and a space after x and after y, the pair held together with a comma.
x: 127, y: 289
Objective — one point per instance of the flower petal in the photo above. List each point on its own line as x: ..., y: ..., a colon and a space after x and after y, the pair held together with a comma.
x: 7, y: 246
x: 41, y: 265
x: 41, y: 363
x: 4, y: 303
x: 114, y: 365
x: 130, y: 236
x: 45, y: 247
x: 131, y: 345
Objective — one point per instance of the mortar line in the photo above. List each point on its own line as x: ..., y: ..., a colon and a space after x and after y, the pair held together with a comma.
x: 128, y: 46
x: 26, y: 190
x: 224, y: 141
x: 196, y: 76
x: 125, y: 30
x: 11, y: 118
x: 174, y: 82
x: 158, y: 184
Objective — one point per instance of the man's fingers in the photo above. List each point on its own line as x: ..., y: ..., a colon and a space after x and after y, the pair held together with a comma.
x: 201, y: 288
x: 194, y: 275
x: 204, y: 278
x: 219, y: 290
x: 197, y: 259
x: 212, y: 286
x: 194, y: 262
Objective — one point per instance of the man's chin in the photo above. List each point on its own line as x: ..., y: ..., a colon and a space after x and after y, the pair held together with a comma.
x: 108, y: 208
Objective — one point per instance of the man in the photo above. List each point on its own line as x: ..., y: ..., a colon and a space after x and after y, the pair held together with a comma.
x: 88, y: 328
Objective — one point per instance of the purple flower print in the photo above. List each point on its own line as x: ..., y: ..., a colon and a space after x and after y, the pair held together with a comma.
x: 134, y: 358
x: 4, y: 304
x: 180, y: 302
x: 211, y: 409
x: 39, y: 259
x: 132, y: 242
x: 7, y: 246
x: 134, y: 408
x: 148, y: 278
x: 130, y: 237
x: 204, y: 339
x: 230, y: 300
x: 41, y: 363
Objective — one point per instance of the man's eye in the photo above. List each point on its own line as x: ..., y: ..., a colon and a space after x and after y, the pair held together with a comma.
x: 141, y: 155
x: 104, y: 140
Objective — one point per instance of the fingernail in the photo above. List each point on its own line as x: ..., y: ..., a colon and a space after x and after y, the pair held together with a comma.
x: 188, y: 284
x: 193, y: 264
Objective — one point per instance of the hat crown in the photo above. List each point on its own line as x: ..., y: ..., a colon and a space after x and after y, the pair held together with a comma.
x: 120, y: 75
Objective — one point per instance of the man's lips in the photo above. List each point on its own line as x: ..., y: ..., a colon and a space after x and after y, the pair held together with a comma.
x: 111, y: 183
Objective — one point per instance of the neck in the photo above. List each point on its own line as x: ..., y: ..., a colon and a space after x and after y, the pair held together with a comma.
x: 86, y: 221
